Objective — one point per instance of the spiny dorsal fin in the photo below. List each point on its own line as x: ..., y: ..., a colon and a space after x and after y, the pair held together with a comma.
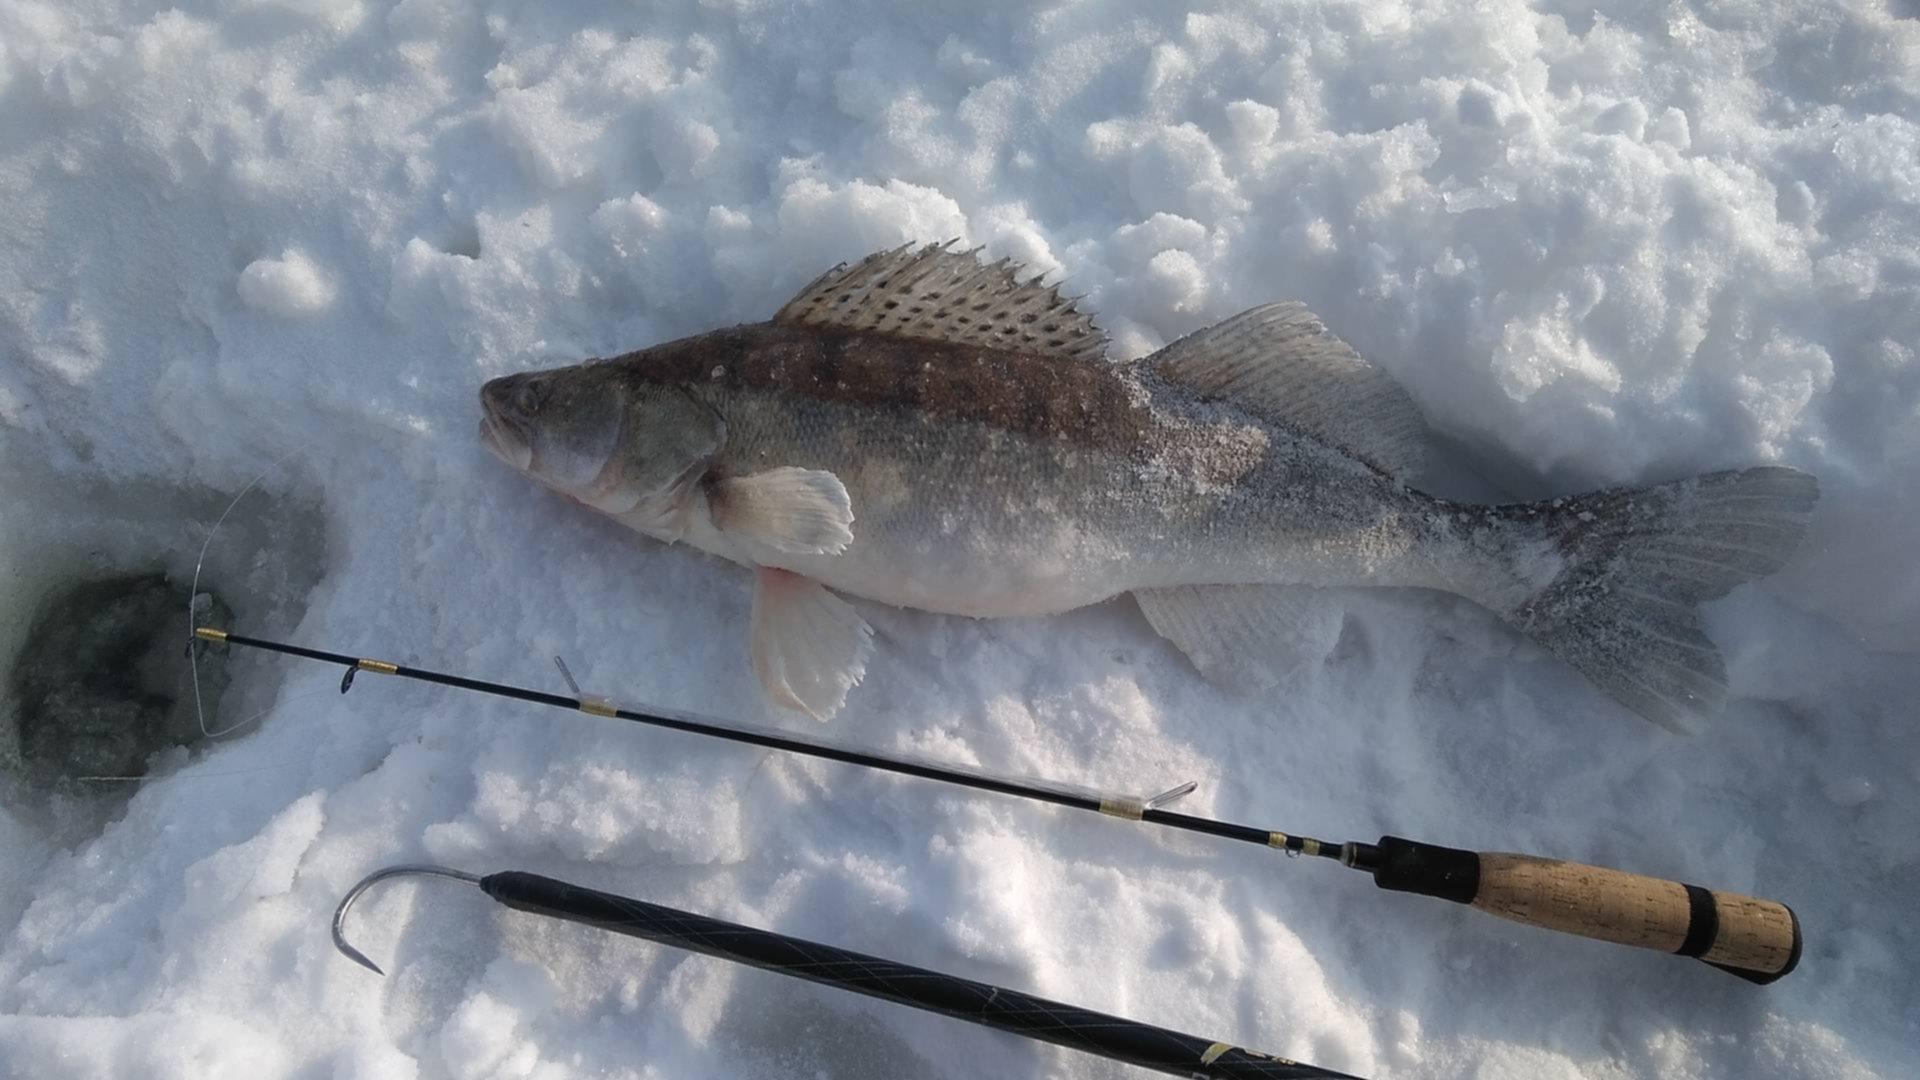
x: 1278, y: 361
x: 936, y: 293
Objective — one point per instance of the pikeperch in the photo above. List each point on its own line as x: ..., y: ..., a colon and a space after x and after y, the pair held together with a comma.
x: 927, y: 430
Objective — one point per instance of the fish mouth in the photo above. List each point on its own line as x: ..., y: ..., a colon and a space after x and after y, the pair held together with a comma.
x: 504, y: 439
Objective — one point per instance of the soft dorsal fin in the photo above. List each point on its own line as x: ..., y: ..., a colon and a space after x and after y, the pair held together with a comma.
x: 1279, y: 362
x: 936, y: 293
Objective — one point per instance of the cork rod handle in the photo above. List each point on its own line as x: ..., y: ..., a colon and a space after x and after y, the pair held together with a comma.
x: 1758, y: 940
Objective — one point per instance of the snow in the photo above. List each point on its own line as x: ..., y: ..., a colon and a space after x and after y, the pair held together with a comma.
x: 293, y: 238
x: 290, y: 286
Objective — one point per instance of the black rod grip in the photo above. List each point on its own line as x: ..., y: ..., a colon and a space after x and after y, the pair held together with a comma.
x: 1428, y: 869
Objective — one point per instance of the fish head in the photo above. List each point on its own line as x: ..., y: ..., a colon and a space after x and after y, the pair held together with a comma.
x: 596, y: 434
x: 560, y: 427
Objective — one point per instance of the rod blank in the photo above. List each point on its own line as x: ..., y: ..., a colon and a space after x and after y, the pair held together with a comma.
x: 1758, y: 940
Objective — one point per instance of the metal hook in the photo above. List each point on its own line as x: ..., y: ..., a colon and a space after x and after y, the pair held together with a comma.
x: 340, y: 913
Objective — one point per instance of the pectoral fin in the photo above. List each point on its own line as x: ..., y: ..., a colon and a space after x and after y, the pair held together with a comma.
x: 1247, y: 637
x: 809, y: 646
x: 797, y: 511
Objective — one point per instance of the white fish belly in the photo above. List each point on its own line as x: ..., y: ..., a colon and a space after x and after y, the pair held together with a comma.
x: 1049, y: 571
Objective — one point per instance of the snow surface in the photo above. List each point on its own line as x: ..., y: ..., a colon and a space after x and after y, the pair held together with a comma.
x: 294, y: 236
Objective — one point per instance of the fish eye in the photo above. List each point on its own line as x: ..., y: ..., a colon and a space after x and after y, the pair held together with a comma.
x: 529, y: 396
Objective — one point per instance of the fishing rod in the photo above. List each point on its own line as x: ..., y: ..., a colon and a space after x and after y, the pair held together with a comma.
x: 1758, y: 940
x: 980, y: 1003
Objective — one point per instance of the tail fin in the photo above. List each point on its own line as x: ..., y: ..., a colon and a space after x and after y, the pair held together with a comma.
x: 1637, y: 561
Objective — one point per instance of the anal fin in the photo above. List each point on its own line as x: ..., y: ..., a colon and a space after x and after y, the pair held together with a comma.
x: 1247, y: 638
x: 809, y: 646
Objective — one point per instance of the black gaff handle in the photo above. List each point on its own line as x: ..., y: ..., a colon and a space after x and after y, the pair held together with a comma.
x: 963, y: 999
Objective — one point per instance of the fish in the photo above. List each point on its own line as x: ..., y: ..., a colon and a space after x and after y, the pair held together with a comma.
x: 930, y: 430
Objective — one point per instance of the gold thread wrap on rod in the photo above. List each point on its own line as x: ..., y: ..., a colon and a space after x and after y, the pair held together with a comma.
x: 208, y: 633
x: 599, y: 706
x: 1131, y: 809
x: 1307, y: 845
x: 378, y: 666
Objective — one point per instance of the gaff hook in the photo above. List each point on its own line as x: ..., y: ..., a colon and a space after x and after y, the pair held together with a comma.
x: 998, y: 1007
x: 340, y: 913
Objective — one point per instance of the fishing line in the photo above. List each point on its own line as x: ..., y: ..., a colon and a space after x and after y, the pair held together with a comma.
x: 204, y: 775
x: 193, y: 596
x: 199, y: 708
x: 1758, y: 940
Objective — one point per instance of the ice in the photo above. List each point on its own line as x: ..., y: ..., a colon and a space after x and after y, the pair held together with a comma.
x: 1597, y: 245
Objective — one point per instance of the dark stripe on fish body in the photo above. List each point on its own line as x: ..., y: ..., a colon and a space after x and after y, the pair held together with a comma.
x: 826, y: 370
x: 1040, y: 396
x: 1040, y: 416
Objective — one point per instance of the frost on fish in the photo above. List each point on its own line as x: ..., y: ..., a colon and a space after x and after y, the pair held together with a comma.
x: 928, y: 430
x: 1638, y: 561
